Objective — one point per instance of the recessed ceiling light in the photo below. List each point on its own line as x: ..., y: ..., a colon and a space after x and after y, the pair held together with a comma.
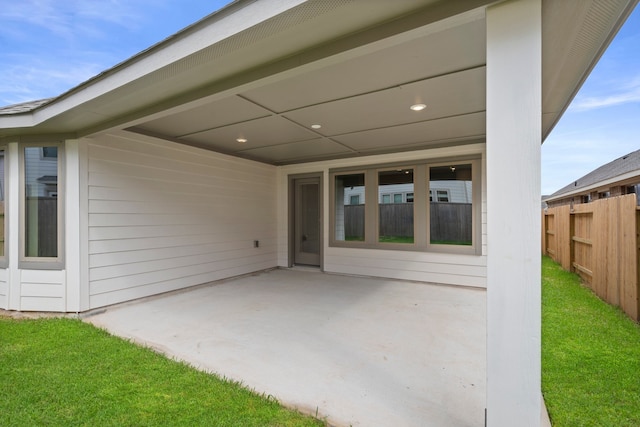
x: 241, y: 140
x: 316, y: 126
x: 418, y: 107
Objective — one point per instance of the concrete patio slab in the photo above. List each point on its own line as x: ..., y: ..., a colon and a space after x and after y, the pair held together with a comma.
x: 356, y: 351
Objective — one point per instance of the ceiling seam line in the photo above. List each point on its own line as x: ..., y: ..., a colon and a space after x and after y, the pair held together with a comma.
x: 398, y: 85
x: 408, y: 124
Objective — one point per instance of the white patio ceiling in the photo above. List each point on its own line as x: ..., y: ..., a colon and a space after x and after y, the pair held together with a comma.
x: 362, y: 104
x: 267, y: 71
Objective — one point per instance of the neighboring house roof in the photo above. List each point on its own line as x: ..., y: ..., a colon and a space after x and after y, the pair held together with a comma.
x: 266, y: 71
x: 24, y: 107
x: 621, y: 169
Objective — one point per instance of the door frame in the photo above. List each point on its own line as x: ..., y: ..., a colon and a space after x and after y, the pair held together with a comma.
x: 292, y: 214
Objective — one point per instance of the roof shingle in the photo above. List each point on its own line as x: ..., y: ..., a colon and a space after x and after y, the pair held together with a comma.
x: 620, y: 166
x: 24, y: 107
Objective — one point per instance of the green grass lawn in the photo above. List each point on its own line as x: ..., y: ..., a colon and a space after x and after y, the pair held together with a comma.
x: 396, y: 239
x: 62, y: 372
x: 590, y: 355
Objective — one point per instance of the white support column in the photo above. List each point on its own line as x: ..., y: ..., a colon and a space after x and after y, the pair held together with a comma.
x: 83, y: 222
x: 76, y: 225
x: 513, y: 213
x: 71, y: 228
x: 12, y: 237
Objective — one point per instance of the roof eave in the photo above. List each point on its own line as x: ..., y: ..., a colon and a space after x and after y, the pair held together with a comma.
x: 598, y: 185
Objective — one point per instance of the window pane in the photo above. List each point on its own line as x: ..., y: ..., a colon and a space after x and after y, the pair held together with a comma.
x: 349, y: 207
x: 443, y: 195
x: 41, y: 202
x: 451, y: 211
x: 395, y: 219
x: 50, y: 152
x: 1, y: 203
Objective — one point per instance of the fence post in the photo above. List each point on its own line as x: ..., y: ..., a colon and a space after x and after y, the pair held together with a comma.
x: 545, y: 244
x: 572, y: 243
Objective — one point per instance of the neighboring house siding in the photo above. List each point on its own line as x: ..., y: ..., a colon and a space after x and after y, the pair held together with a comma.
x: 455, y: 269
x: 164, y: 216
x: 46, y: 167
x: 458, y: 191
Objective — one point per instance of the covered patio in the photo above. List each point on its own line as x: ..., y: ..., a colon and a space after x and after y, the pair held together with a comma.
x: 351, y: 350
x: 244, y: 142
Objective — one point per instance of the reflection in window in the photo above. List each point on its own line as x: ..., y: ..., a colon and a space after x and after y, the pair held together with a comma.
x: 41, y: 201
x: 349, y: 207
x: 450, y: 204
x: 395, y: 216
x: 2, y: 202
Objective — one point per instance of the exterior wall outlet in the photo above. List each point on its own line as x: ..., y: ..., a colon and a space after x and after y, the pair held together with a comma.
x: 256, y: 243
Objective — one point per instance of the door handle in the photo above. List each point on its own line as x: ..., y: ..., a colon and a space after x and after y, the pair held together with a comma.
x: 304, y: 237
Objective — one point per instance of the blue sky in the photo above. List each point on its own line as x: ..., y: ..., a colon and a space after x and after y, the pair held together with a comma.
x: 603, y: 121
x: 49, y: 46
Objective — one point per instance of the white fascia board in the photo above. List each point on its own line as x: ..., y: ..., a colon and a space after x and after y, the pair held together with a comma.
x: 11, y: 121
x: 210, y: 31
x: 605, y: 183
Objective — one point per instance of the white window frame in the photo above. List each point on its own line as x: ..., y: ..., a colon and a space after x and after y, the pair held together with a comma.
x: 332, y: 207
x: 42, y: 263
x: 421, y: 207
x: 476, y: 203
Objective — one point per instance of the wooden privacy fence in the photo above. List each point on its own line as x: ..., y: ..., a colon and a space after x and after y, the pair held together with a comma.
x: 41, y: 234
x: 449, y: 221
x: 599, y: 241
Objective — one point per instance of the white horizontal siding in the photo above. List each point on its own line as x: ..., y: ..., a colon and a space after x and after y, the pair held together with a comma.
x: 4, y: 289
x: 163, y: 216
x: 42, y: 290
x: 465, y: 270
x: 454, y: 269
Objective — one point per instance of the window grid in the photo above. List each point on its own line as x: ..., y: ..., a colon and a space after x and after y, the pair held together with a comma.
x: 432, y: 190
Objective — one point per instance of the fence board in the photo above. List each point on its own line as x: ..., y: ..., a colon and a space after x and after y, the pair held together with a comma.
x: 449, y: 221
x: 556, y: 229
x: 599, y: 241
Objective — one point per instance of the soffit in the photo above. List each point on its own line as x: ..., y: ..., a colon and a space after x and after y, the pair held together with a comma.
x: 575, y: 33
x: 361, y: 99
x: 362, y: 103
x: 241, y: 41
x: 352, y: 66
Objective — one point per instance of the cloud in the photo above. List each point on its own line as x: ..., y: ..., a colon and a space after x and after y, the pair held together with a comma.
x: 30, y: 78
x: 70, y: 19
x: 627, y: 92
x: 50, y: 46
